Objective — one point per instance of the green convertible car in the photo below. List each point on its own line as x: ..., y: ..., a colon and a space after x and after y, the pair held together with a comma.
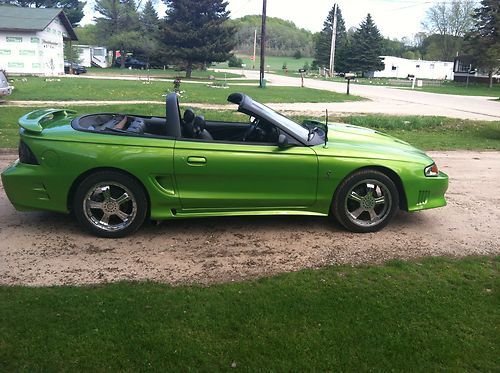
x: 113, y: 171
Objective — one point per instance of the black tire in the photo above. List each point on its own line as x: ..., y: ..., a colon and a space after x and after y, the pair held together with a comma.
x: 110, y: 204
x: 365, y: 201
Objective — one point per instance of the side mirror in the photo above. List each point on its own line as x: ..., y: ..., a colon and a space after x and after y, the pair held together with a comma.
x: 282, y: 141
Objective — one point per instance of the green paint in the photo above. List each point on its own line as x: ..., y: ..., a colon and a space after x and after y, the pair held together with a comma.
x: 27, y: 52
x: 15, y: 64
x: 14, y: 39
x: 237, y: 178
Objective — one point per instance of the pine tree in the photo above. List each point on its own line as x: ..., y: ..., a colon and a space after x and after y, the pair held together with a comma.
x: 483, y: 42
x: 150, y: 22
x: 324, y: 43
x: 150, y: 30
x: 73, y: 9
x: 195, y: 32
x: 366, y: 47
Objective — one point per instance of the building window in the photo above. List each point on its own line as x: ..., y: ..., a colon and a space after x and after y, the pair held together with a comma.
x: 14, y: 39
x: 27, y: 52
x: 15, y: 64
x: 36, y: 65
x: 34, y: 39
x: 5, y: 52
x: 99, y: 52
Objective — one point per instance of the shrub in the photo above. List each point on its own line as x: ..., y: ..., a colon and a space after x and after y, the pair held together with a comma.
x: 234, y: 61
x: 297, y: 55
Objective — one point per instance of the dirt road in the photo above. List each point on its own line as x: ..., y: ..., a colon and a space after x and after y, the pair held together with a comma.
x: 50, y: 249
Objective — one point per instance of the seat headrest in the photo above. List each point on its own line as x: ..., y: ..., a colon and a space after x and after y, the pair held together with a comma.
x: 199, y: 123
x: 188, y: 115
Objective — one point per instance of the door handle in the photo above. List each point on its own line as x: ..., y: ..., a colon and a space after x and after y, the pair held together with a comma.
x: 197, y: 161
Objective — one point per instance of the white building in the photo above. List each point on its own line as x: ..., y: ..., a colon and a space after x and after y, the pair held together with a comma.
x: 396, y: 67
x: 31, y: 40
x: 91, y: 55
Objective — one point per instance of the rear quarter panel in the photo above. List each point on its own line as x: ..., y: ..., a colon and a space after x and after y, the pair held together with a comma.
x: 65, y: 158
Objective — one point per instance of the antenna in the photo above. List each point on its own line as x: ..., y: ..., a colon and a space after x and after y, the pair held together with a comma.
x: 326, y: 128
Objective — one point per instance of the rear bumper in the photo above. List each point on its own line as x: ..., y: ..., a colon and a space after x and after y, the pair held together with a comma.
x: 25, y: 187
x: 427, y: 192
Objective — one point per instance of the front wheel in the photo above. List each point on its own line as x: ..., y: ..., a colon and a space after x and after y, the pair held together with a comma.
x: 110, y: 204
x: 366, y: 201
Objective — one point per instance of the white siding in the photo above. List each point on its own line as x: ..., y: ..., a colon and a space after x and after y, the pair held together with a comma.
x: 396, y: 67
x: 39, y: 53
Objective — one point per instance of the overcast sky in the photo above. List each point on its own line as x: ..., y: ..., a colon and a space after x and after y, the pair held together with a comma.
x: 395, y: 18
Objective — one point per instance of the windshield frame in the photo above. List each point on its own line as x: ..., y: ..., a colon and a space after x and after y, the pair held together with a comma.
x: 253, y: 108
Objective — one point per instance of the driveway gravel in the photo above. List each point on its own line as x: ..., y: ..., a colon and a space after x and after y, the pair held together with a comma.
x: 41, y: 248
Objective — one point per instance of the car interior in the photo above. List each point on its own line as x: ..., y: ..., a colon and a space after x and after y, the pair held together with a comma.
x: 187, y: 125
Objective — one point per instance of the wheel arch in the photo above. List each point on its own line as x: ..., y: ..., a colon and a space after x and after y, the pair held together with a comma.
x: 391, y: 174
x: 91, y: 171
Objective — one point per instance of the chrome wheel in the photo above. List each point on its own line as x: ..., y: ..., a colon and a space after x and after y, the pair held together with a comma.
x: 368, y: 203
x: 110, y: 206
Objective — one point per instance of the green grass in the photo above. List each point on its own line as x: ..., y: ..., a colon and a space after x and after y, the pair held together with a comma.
x: 452, y: 88
x: 68, y: 89
x: 159, y: 73
x: 429, y: 133
x: 275, y: 63
x: 434, y: 133
x: 431, y: 315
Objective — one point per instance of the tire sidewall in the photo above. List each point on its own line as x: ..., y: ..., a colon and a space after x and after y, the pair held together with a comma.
x: 110, y: 176
x: 338, y: 207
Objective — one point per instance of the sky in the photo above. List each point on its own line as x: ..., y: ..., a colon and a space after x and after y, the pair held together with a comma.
x: 394, y: 18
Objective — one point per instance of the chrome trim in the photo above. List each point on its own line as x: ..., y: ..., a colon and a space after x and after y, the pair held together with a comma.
x: 110, y: 206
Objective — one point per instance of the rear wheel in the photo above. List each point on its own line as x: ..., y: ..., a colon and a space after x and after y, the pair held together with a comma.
x: 110, y: 204
x: 366, y: 201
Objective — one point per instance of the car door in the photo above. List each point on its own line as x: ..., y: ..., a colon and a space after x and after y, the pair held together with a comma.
x: 237, y: 176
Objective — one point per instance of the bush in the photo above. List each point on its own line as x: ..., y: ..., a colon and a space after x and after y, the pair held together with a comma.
x: 284, y: 67
x: 235, y: 61
x: 297, y: 55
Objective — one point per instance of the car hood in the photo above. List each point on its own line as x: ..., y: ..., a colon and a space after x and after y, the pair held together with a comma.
x: 359, y: 142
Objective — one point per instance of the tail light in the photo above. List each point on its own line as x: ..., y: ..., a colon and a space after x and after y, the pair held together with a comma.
x: 26, y: 155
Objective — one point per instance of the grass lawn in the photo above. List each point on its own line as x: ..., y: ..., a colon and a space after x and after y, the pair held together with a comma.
x: 168, y: 73
x: 275, y: 63
x: 429, y: 133
x: 452, y: 88
x: 67, y: 89
x: 431, y: 315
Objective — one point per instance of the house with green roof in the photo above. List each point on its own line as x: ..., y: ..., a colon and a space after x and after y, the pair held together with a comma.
x: 32, y: 40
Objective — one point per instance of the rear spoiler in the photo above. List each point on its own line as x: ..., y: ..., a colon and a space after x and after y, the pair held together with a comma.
x: 35, y: 121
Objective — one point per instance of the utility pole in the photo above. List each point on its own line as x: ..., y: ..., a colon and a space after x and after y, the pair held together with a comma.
x: 254, y: 48
x: 334, y: 36
x: 263, y: 44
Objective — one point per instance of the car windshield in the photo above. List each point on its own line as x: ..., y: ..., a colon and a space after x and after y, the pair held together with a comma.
x: 289, y: 124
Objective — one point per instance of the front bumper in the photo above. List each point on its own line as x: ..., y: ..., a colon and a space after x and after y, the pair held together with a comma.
x: 427, y: 192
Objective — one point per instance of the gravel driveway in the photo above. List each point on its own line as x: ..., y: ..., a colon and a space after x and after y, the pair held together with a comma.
x: 42, y: 248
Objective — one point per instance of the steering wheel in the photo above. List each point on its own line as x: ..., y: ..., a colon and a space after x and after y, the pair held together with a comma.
x: 250, y: 130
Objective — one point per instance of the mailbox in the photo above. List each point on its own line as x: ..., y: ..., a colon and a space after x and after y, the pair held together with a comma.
x: 302, y: 70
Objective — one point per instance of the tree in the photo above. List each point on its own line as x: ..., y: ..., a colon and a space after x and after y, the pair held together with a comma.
x: 72, y: 8
x: 150, y: 29
x: 483, y: 42
x: 118, y: 26
x: 451, y: 20
x: 196, y: 32
x: 324, y: 43
x: 367, y: 47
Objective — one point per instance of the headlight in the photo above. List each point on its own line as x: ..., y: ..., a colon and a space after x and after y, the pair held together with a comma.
x: 431, y: 171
